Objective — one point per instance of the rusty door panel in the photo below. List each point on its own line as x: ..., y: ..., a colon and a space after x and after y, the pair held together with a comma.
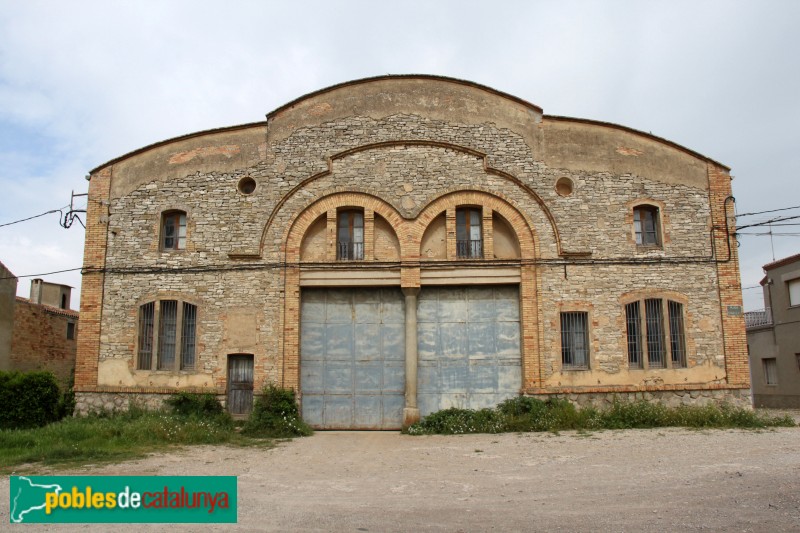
x: 468, y: 340
x: 352, y: 358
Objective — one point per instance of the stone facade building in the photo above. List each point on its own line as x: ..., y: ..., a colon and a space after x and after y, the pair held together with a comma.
x: 397, y: 245
x: 773, y: 337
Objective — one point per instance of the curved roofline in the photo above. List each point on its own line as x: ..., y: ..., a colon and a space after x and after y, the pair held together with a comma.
x: 662, y: 140
x: 176, y: 139
x: 272, y: 114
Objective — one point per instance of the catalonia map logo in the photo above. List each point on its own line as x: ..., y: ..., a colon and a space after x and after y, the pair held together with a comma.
x: 123, y: 499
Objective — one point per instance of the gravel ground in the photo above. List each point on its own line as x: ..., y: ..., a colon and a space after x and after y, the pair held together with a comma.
x: 634, y: 480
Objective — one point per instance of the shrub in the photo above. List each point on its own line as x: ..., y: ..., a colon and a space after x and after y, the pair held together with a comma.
x: 275, y: 414
x: 28, y: 400
x: 455, y: 421
x: 638, y: 414
x: 66, y: 402
x: 525, y: 414
x: 199, y: 405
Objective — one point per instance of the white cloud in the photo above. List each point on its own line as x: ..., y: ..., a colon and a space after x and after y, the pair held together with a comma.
x: 84, y: 82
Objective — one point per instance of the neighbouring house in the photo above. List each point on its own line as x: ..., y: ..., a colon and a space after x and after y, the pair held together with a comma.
x: 39, y: 333
x: 393, y: 246
x: 773, y: 337
x: 8, y: 292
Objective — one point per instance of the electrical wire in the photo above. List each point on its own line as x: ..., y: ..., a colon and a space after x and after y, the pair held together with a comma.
x: 767, y: 222
x: 59, y: 211
x: 770, y: 211
x: 42, y: 274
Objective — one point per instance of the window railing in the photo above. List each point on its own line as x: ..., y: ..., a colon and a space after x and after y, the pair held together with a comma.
x: 349, y: 251
x: 469, y: 249
x: 755, y: 319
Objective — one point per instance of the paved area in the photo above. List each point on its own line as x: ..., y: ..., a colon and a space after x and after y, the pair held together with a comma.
x: 637, y: 480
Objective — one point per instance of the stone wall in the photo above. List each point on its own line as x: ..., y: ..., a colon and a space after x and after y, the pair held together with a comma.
x: 408, y: 167
x: 734, y: 397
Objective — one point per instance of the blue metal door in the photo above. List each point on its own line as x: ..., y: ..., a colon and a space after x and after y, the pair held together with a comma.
x: 352, y: 358
x: 468, y: 340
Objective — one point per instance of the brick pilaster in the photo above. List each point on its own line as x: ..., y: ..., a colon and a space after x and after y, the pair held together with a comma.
x: 94, y: 259
x: 730, y: 286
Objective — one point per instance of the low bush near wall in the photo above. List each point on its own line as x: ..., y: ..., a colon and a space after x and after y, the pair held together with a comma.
x: 525, y: 414
x: 29, y: 400
x: 188, y: 404
x: 275, y: 415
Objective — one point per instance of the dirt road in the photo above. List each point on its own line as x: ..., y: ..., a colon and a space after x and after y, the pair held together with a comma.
x: 637, y: 480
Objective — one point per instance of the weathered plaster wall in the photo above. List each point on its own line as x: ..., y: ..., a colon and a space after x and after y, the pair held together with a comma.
x: 403, y: 146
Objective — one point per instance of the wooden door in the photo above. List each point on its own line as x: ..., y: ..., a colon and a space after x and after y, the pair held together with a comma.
x: 240, y: 384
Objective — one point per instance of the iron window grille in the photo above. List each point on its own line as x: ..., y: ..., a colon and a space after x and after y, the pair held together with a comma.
x: 575, y: 340
x: 175, y: 345
x: 649, y: 337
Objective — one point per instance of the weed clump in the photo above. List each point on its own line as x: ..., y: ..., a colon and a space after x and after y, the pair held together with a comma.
x: 275, y: 415
x: 526, y: 414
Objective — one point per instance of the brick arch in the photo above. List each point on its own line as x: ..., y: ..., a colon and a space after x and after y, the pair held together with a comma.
x: 488, y: 169
x: 298, y: 226
x: 519, y: 221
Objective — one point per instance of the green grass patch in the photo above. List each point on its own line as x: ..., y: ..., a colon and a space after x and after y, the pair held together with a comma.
x: 525, y: 414
x: 110, y: 438
x: 188, y: 419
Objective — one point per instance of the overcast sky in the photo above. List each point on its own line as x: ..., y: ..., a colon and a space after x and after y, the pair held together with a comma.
x: 83, y: 82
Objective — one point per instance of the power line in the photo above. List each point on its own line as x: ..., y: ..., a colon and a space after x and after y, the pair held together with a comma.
x: 36, y: 216
x: 770, y: 211
x: 42, y: 274
x: 770, y: 233
x: 767, y: 222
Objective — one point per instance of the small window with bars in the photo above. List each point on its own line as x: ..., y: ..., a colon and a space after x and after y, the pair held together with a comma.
x: 175, y: 345
x: 575, y: 340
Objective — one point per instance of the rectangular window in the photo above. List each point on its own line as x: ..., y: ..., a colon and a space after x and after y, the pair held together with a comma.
x: 71, y: 331
x: 770, y: 371
x: 144, y: 359
x: 574, y: 341
x: 167, y: 334
x: 677, y: 337
x: 794, y: 292
x: 188, y: 333
x: 350, y: 235
x: 174, y: 231
x: 645, y: 225
x: 469, y: 235
x: 654, y: 319
x: 633, y: 322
